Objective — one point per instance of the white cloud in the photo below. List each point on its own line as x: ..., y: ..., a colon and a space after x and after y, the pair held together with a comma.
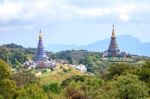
x: 89, y: 12
x: 61, y: 9
x: 124, y: 17
x: 9, y: 10
x: 124, y: 12
x: 22, y: 9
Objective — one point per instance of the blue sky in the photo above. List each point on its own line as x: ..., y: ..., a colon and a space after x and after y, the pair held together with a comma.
x: 72, y: 21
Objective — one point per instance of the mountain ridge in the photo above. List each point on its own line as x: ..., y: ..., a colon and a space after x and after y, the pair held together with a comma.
x: 126, y: 43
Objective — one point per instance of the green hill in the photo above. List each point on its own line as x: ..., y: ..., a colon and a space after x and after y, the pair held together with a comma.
x: 61, y: 72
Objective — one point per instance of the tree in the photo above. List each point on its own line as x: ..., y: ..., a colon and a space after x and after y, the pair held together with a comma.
x: 76, y: 78
x: 117, y: 69
x: 91, y: 86
x: 74, y: 91
x: 15, y: 54
x: 4, y: 70
x: 70, y: 60
x: 7, y: 87
x: 24, y: 78
x: 127, y: 87
x: 144, y: 72
x: 17, y: 58
x: 83, y: 87
x: 4, y: 53
x: 32, y: 91
x: 53, y: 87
x: 12, y: 45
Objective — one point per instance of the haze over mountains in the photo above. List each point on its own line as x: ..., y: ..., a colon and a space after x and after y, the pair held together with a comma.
x: 126, y: 43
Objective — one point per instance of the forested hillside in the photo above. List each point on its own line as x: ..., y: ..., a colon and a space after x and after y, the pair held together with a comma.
x: 17, y: 54
x: 104, y: 79
x: 119, y: 81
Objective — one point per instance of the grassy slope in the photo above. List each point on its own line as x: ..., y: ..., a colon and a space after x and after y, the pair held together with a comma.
x: 61, y: 73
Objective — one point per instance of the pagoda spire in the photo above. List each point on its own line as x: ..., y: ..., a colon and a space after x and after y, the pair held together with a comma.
x: 40, y: 35
x: 113, y: 31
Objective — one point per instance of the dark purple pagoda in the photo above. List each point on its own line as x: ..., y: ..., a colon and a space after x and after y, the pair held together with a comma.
x: 113, y: 50
x: 41, y: 54
x: 40, y: 60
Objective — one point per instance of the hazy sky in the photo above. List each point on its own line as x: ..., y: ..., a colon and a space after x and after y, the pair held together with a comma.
x: 72, y: 21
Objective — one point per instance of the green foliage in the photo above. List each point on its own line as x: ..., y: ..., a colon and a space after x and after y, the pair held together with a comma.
x: 74, y: 78
x: 73, y: 56
x: 24, y: 78
x: 12, y: 45
x: 91, y: 86
x: 128, y: 87
x: 117, y: 69
x: 74, y: 91
x: 92, y: 61
x: 84, y: 89
x: 1, y: 97
x: 4, y: 53
x: 4, y: 70
x: 144, y: 72
x: 15, y: 54
x: 53, y: 87
x: 17, y: 58
x: 7, y: 89
x: 32, y: 91
x: 70, y: 60
x: 66, y: 70
x: 44, y: 71
x: 120, y: 84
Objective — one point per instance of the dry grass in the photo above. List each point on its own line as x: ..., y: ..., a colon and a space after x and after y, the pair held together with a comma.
x: 59, y: 74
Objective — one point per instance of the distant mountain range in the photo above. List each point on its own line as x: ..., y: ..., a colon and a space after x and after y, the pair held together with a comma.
x: 126, y: 43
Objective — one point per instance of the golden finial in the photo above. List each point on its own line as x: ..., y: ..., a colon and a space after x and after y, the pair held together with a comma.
x: 40, y: 35
x: 113, y: 31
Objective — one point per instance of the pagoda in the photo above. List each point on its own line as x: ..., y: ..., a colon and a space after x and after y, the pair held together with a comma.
x: 41, y: 54
x: 40, y: 59
x: 113, y: 49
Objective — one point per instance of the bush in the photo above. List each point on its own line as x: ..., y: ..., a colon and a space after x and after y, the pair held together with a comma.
x: 24, y: 78
x: 53, y: 87
x: 128, y: 87
x: 117, y: 69
x: 4, y: 70
x: 74, y: 78
x: 32, y: 91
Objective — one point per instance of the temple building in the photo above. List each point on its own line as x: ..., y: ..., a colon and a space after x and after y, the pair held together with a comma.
x: 113, y: 50
x: 41, y: 54
x: 41, y: 60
